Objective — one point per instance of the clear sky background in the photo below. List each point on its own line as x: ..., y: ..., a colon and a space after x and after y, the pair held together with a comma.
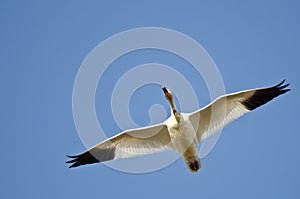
x: 43, y: 43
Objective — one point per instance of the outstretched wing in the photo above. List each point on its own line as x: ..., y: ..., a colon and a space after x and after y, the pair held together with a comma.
x: 227, y: 108
x: 127, y: 144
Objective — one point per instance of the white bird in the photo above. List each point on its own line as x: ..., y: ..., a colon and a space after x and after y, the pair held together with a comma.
x: 181, y: 132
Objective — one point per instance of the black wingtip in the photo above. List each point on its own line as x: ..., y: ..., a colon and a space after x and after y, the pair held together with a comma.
x: 73, y: 159
x: 72, y: 166
x: 280, y: 86
x: 90, y: 157
x: 262, y: 96
x: 72, y: 156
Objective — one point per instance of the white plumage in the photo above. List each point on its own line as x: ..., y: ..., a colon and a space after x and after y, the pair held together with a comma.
x: 181, y: 132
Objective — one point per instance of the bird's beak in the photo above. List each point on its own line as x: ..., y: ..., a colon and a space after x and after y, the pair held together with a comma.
x: 164, y: 89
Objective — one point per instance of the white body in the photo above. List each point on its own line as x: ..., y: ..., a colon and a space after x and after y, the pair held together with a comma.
x: 183, y: 138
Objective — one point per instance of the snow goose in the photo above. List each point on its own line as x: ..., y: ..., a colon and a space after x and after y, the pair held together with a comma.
x: 181, y: 132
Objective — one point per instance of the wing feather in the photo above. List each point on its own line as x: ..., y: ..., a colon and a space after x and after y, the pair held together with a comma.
x: 227, y: 108
x: 127, y: 144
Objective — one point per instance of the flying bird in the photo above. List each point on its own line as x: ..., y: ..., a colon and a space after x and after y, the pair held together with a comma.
x: 181, y: 132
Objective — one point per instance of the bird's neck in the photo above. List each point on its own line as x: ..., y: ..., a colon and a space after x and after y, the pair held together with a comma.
x: 174, y: 111
x: 177, y: 115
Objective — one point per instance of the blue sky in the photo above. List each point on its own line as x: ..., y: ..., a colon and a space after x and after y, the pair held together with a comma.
x: 43, y: 44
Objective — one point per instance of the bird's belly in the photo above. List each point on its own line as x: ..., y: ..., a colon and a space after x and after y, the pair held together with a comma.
x: 184, y: 138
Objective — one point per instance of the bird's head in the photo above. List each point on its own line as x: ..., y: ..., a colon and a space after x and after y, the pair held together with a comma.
x: 168, y: 94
